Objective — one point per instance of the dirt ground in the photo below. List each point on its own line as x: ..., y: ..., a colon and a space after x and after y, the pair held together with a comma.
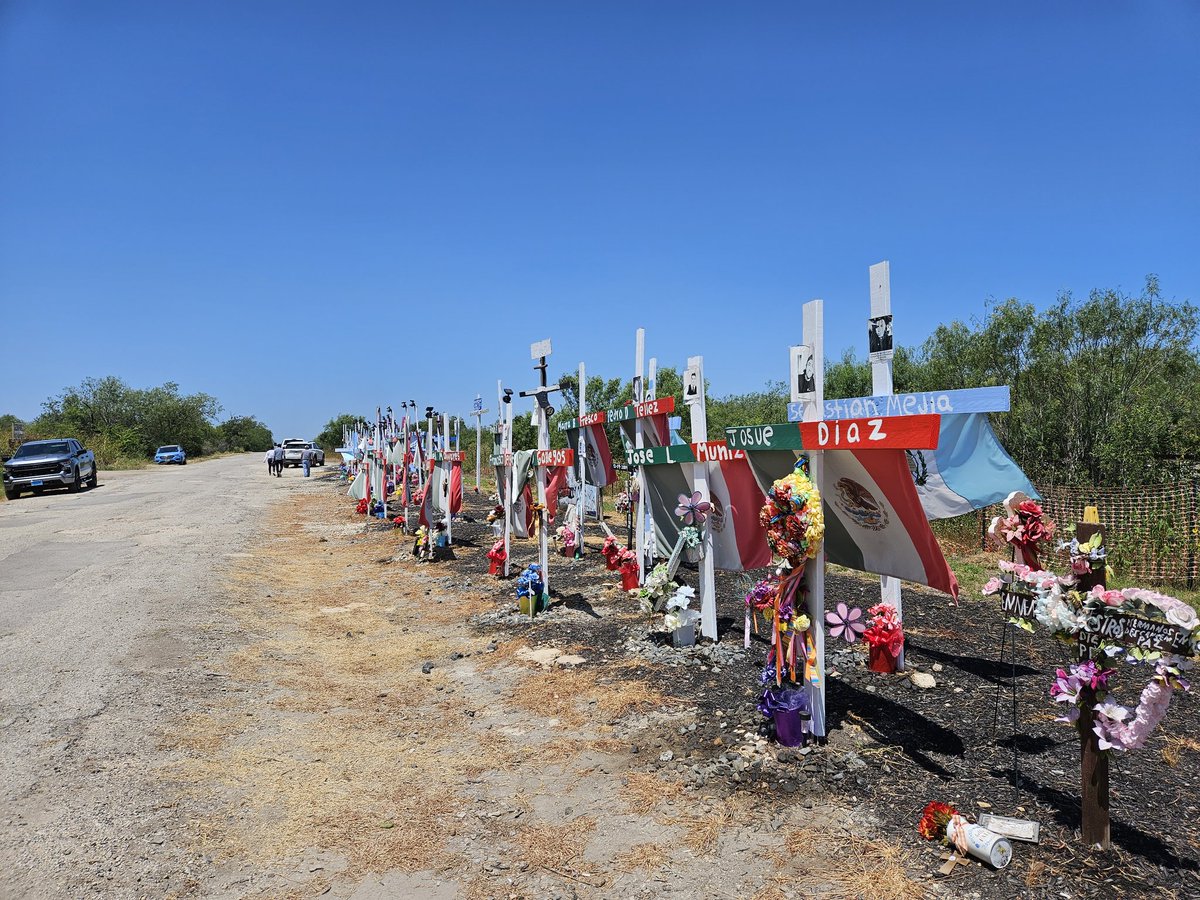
x: 326, y: 716
x: 374, y: 742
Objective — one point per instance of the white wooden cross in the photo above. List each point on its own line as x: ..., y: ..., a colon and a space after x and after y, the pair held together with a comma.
x: 639, y: 395
x: 506, y: 450
x: 542, y: 412
x: 699, y: 421
x: 478, y: 412
x: 881, y: 384
x: 581, y: 451
x: 447, y: 486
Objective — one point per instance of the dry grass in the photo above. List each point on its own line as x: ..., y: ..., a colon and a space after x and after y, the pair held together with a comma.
x: 564, y: 694
x: 648, y: 857
x: 329, y: 768
x: 1034, y: 876
x: 863, y: 869
x: 701, y: 832
x: 553, y: 847
x: 1174, y: 746
x: 643, y: 791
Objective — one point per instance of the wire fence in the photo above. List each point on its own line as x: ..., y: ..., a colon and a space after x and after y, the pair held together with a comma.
x: 1153, y: 531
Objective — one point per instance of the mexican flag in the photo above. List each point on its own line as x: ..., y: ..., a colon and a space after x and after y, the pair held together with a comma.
x: 873, y: 519
x: 358, y: 487
x: 739, y: 542
x: 598, y: 461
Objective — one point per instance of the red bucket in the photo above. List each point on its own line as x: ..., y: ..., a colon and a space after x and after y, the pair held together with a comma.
x: 629, y: 581
x: 880, y: 659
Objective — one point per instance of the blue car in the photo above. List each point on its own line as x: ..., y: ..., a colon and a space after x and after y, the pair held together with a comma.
x: 172, y: 453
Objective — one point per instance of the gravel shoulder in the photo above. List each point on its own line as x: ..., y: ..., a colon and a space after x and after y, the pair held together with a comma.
x: 108, y: 608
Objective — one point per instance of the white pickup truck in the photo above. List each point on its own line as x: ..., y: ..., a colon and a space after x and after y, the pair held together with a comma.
x: 293, y: 451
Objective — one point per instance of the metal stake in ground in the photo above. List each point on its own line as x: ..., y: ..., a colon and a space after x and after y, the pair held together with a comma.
x: 543, y: 411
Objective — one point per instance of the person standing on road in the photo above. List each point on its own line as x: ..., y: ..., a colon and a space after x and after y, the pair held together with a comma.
x: 270, y: 461
x: 278, y: 461
x: 306, y: 459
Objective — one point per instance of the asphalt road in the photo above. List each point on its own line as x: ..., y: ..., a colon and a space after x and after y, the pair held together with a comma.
x: 109, y: 603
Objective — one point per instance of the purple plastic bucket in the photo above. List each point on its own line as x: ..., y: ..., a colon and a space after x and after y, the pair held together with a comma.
x: 789, y: 727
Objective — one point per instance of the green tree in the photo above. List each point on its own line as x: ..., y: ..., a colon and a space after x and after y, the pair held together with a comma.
x: 330, y: 437
x: 1104, y: 390
x: 122, y: 422
x: 244, y: 433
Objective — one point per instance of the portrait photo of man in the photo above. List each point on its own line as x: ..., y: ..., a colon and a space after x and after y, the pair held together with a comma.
x: 804, y: 368
x: 879, y: 337
x: 691, y: 385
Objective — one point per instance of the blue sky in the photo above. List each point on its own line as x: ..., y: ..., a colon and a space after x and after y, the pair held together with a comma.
x: 305, y: 208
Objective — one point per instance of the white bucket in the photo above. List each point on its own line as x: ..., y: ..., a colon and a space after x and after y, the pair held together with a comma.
x: 983, y: 844
x: 684, y: 637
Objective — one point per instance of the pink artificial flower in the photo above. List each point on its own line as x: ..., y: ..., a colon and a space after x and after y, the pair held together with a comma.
x: 845, y: 623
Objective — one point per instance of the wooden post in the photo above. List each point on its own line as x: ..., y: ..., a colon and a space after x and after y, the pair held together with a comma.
x: 814, y: 573
x: 881, y: 384
x: 1093, y: 764
x: 699, y: 423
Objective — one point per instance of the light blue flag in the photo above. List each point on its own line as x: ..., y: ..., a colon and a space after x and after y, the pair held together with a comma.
x: 969, y: 469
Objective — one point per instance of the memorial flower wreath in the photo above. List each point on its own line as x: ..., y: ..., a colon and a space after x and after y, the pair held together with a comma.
x: 795, y: 527
x: 1105, y: 620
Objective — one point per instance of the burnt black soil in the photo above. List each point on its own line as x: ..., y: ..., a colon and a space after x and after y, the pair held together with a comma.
x: 970, y: 741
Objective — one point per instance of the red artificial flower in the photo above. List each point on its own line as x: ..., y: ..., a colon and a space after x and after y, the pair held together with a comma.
x: 934, y: 819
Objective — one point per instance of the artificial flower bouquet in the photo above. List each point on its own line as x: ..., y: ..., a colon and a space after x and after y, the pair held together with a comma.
x: 496, y: 558
x: 566, y: 538
x: 611, y: 550
x: 942, y: 822
x: 361, y: 507
x: 1025, y: 527
x: 421, y: 548
x: 1100, y: 620
x: 884, y: 636
x: 689, y: 542
x: 681, y: 620
x: 793, y: 518
x: 653, y: 595
x: 623, y: 502
x: 531, y: 588
x: 627, y: 564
